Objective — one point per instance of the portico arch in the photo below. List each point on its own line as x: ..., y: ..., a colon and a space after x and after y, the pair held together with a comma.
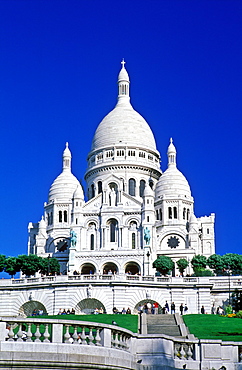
x: 110, y: 268
x: 133, y: 268
x: 88, y: 306
x: 32, y: 307
x: 145, y: 301
x: 88, y: 268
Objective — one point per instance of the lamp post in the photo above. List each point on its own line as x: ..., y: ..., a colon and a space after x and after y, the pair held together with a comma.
x: 229, y: 284
x: 48, y: 267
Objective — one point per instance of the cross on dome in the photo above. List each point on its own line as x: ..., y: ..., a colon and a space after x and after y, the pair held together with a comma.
x: 123, y: 63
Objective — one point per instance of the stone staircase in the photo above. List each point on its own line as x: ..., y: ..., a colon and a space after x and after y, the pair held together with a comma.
x: 171, y: 325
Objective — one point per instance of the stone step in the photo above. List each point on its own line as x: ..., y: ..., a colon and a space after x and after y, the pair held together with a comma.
x: 162, y: 329
x: 163, y: 324
x: 161, y: 318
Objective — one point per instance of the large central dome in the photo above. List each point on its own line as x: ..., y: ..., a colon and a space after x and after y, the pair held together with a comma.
x: 123, y: 125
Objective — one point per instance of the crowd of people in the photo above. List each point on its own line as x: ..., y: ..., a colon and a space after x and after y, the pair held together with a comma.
x: 148, y: 308
x: 66, y: 312
x: 38, y: 312
x: 123, y: 311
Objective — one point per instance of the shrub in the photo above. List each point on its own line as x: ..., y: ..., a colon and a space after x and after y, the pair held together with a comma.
x: 239, y: 315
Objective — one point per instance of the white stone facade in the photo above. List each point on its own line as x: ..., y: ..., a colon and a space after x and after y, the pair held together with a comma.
x: 127, y: 194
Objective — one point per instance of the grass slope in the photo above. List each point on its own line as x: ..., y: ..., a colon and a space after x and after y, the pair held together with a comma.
x: 129, y: 322
x: 214, y: 327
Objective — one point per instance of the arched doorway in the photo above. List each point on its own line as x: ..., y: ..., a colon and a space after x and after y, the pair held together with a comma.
x: 110, y: 268
x: 88, y: 269
x: 88, y: 306
x: 32, y: 308
x: 145, y: 301
x: 132, y: 268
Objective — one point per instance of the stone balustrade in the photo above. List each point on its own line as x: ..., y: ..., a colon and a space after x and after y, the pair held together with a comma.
x: 220, y: 281
x: 64, y: 331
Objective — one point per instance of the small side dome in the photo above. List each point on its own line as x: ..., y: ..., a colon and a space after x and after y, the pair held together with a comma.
x: 172, y: 182
x: 78, y: 193
x: 66, y: 183
x: 63, y: 187
x: 148, y: 191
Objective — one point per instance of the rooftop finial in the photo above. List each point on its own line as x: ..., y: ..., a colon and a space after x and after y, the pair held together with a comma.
x: 123, y: 63
x: 171, y: 154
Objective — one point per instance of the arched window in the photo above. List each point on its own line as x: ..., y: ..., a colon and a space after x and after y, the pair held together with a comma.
x: 99, y: 187
x: 133, y: 241
x: 60, y: 216
x: 157, y: 214
x: 188, y: 214
x: 65, y: 216
x: 113, y: 227
x: 170, y: 212
x: 141, y: 188
x: 92, y: 191
x: 132, y: 185
x: 175, y: 212
x: 184, y: 213
x: 92, y: 242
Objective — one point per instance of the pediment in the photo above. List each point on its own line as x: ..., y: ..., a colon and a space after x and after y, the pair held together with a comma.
x: 94, y: 203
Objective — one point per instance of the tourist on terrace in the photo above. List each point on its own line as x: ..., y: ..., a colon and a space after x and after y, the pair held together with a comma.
x: 173, y: 308
x: 167, y: 307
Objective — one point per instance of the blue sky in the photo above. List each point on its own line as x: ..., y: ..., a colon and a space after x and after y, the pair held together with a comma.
x: 59, y: 62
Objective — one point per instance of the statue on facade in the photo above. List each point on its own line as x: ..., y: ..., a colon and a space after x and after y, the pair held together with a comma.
x: 147, y: 235
x: 112, y: 196
x: 73, y: 238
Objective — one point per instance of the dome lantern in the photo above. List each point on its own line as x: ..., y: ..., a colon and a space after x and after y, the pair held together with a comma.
x: 123, y: 84
x: 171, y: 153
x: 67, y: 158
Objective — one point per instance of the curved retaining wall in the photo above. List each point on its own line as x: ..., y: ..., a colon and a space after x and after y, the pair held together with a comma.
x: 35, y: 344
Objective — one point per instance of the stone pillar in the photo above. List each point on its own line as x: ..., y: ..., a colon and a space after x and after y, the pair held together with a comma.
x: 57, y: 333
x: 106, y: 337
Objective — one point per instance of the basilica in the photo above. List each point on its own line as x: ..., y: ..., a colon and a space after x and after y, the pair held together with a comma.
x: 133, y: 212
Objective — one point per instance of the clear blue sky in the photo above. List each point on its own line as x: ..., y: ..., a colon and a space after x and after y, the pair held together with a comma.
x: 59, y: 62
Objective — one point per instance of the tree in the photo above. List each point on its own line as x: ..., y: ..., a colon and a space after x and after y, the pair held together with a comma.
x: 182, y: 264
x: 232, y: 263
x: 216, y: 263
x: 2, y: 262
x: 11, y: 266
x: 50, y: 266
x: 29, y: 265
x: 164, y: 264
x: 199, y: 262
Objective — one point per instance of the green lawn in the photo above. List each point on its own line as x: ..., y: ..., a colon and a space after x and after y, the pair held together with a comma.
x: 129, y: 322
x: 214, y: 327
